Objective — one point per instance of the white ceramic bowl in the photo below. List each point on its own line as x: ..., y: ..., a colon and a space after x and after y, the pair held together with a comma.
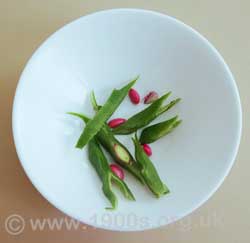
x: 102, y: 51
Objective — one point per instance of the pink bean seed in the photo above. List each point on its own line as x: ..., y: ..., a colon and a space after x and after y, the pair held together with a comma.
x: 147, y: 149
x: 150, y: 97
x: 117, y: 170
x: 116, y: 122
x: 134, y: 96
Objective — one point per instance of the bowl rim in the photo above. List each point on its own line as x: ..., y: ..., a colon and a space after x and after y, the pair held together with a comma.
x: 125, y: 11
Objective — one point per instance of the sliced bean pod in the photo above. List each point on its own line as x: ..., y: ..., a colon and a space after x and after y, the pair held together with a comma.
x: 146, y: 116
x: 93, y: 126
x: 119, y: 152
x: 148, y: 171
x: 156, y: 131
x: 100, y: 163
x: 115, y: 148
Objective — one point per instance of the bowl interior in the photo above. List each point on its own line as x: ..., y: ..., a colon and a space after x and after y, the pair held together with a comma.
x: 103, y: 51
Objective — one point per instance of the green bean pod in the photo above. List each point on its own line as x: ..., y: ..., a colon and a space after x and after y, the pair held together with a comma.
x: 156, y: 131
x: 115, y: 148
x: 146, y: 116
x: 93, y: 127
x: 148, y: 171
x: 100, y: 163
x: 119, y: 152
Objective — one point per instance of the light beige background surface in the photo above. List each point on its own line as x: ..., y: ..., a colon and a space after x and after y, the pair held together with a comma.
x: 25, y: 24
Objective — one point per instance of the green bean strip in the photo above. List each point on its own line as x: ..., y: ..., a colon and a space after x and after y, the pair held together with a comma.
x: 148, y: 171
x: 167, y: 107
x: 116, y: 149
x: 156, y: 131
x: 93, y: 126
x: 95, y: 106
x: 100, y: 163
x: 146, y: 116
